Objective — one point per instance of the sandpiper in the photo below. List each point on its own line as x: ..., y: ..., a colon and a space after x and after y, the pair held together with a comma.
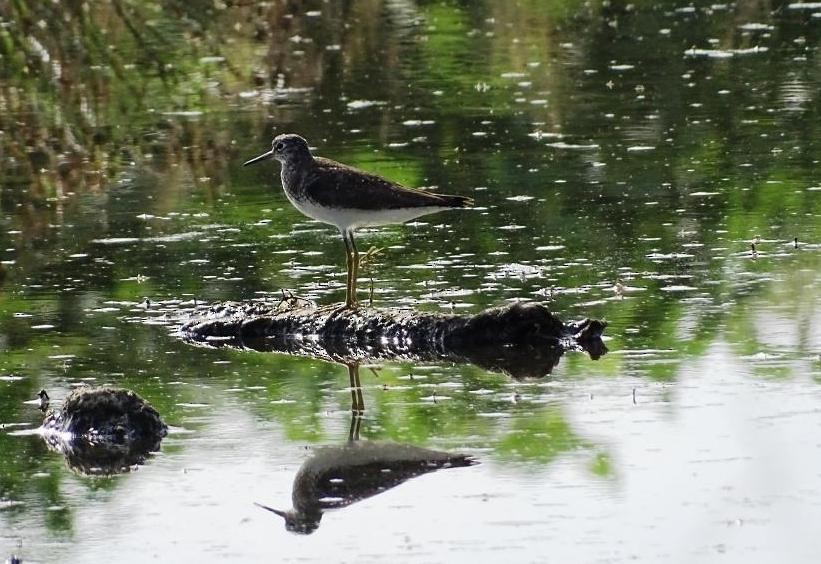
x: 348, y: 198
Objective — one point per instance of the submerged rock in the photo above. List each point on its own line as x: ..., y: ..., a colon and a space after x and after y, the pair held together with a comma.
x: 111, y: 414
x: 103, y: 431
x: 522, y: 339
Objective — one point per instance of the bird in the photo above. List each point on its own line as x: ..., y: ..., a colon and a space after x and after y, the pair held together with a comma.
x: 43, y: 400
x: 348, y: 198
x: 338, y: 476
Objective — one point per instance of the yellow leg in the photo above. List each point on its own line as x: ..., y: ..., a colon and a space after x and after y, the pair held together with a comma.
x: 357, y: 400
x: 355, y: 276
x: 349, y: 265
x: 353, y: 269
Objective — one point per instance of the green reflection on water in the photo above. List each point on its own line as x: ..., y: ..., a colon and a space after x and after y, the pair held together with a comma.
x: 626, y: 158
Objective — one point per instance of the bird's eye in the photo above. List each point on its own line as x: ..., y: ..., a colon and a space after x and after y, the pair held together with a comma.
x: 279, y: 146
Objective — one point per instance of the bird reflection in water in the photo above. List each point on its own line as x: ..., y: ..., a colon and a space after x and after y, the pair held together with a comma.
x: 337, y: 476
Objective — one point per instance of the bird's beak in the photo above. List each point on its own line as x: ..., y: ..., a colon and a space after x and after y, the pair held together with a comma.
x: 262, y: 157
x: 271, y: 509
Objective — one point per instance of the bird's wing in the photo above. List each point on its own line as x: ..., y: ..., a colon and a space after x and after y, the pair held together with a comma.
x: 340, y: 186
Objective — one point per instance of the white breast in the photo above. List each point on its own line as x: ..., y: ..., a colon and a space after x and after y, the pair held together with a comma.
x: 348, y: 218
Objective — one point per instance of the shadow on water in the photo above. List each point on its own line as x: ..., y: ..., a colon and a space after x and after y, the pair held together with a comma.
x: 338, y: 476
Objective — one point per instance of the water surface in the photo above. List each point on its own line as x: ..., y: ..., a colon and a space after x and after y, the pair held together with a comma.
x: 623, y: 158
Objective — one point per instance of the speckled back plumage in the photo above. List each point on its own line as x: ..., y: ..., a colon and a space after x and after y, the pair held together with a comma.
x: 331, y: 184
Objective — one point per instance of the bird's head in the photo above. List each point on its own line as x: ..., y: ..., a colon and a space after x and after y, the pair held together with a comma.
x: 295, y: 521
x: 286, y: 148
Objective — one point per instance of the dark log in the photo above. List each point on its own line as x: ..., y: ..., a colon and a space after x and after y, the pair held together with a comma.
x: 524, y: 340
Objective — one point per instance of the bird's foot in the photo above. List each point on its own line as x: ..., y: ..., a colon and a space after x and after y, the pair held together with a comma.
x: 335, y: 309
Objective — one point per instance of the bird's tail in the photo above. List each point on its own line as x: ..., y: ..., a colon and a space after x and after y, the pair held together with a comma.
x: 457, y: 201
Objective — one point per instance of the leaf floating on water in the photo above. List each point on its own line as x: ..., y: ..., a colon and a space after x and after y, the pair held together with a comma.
x: 804, y: 6
x: 520, y: 198
x: 417, y: 122
x: 116, y: 241
x: 11, y: 378
x: 620, y: 288
x: 678, y: 288
x: 668, y: 256
x: 752, y: 26
x: 570, y: 146
x: 544, y: 134
x: 362, y: 104
x: 723, y: 53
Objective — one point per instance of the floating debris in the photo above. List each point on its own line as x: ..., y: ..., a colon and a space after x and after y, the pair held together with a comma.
x: 362, y: 104
x: 724, y: 53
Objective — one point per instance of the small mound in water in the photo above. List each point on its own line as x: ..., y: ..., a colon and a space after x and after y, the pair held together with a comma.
x: 104, y: 431
x: 112, y: 414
